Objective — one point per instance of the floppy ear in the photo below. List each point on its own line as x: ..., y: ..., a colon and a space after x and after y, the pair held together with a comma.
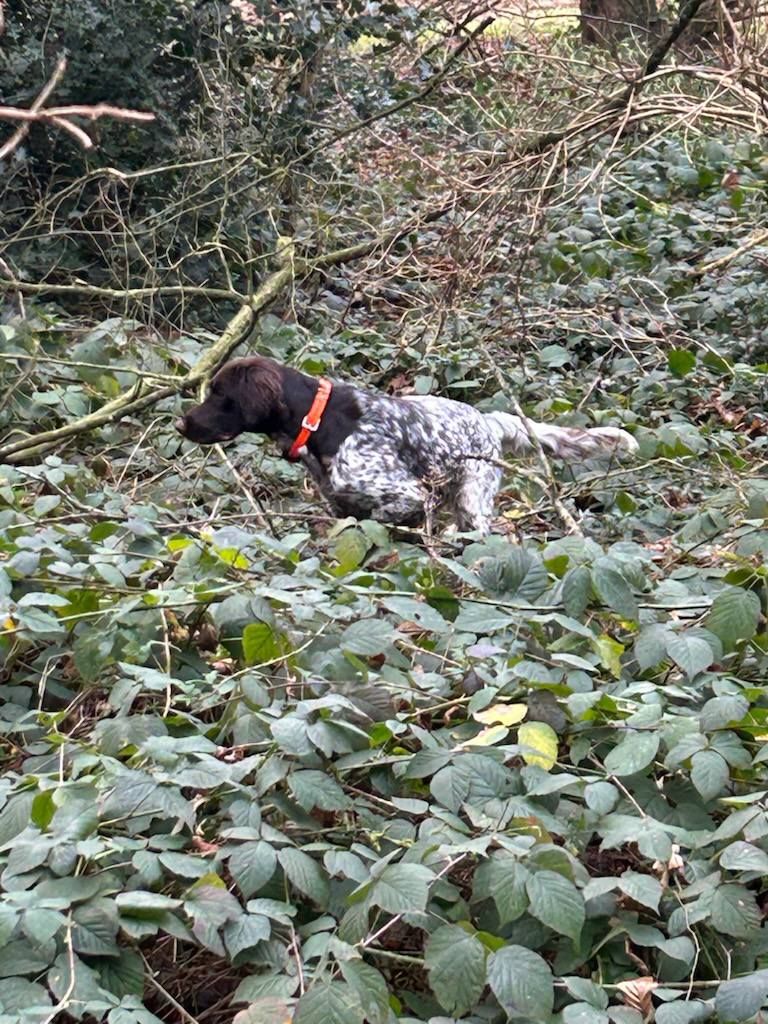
x: 258, y: 391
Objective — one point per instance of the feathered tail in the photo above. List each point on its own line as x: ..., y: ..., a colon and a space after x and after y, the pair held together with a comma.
x: 568, y: 443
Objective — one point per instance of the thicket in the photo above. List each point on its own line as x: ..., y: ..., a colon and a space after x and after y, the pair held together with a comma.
x: 262, y: 765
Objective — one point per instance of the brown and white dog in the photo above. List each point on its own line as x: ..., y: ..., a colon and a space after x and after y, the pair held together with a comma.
x: 397, y: 460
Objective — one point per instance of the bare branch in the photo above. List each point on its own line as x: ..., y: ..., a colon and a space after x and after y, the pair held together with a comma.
x: 60, y: 116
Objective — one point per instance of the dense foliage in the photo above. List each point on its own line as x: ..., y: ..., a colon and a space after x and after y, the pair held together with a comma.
x: 262, y: 765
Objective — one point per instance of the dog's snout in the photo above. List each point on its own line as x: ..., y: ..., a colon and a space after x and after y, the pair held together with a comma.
x: 181, y: 425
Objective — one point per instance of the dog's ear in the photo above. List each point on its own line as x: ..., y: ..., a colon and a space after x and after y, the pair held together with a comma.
x: 257, y: 388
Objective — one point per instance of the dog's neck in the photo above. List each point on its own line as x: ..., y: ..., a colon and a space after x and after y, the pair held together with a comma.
x: 338, y: 421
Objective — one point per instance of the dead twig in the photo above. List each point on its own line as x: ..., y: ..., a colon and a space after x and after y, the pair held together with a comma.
x: 60, y: 116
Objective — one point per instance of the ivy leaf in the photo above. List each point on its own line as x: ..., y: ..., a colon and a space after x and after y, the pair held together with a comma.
x: 522, y: 982
x: 455, y: 960
x: 556, y: 902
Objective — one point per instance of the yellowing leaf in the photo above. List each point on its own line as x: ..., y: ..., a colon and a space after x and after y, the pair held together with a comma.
x: 505, y: 714
x: 540, y: 740
x: 610, y: 652
x: 178, y: 543
x: 232, y: 556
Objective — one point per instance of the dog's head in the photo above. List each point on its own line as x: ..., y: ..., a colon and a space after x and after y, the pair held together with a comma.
x: 246, y: 394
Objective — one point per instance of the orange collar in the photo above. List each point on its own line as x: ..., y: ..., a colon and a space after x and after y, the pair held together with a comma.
x: 311, y: 421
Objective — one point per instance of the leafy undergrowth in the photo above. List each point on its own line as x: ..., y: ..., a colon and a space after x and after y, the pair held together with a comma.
x: 264, y: 763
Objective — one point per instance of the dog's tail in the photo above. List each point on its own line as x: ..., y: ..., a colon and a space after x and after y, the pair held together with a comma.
x: 567, y: 443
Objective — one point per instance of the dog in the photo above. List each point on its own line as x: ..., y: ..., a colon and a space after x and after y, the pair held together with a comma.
x: 395, y: 460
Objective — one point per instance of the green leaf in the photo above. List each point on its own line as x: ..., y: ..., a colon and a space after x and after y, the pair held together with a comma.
x: 367, y: 637
x: 522, y: 982
x: 681, y: 361
x: 305, y: 873
x: 742, y: 856
x: 691, y: 654
x: 709, y: 774
x: 137, y: 903
x: 692, y: 1011
x: 43, y: 809
x: 635, y: 752
x: 577, y: 590
x: 95, y: 929
x: 262, y: 644
x: 583, y: 1013
x: 601, y: 797
x: 332, y: 1002
x: 614, y: 591
x: 24, y: 1002
x: 741, y: 999
x: 518, y: 576
x: 719, y: 712
x: 350, y: 549
x: 15, y: 816
x: 245, y: 932
x: 401, y: 888
x: 316, y: 789
x: 734, y: 911
x: 252, y: 865
x: 455, y: 960
x: 642, y: 889
x: 503, y: 879
x: 733, y: 616
x: 370, y: 987
x: 411, y: 610
x: 556, y: 902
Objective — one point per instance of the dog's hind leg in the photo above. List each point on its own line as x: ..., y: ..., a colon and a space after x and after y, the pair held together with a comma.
x: 475, y: 496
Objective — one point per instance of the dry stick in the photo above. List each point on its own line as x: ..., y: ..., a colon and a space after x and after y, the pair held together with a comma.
x: 722, y: 261
x: 21, y: 132
x: 59, y: 116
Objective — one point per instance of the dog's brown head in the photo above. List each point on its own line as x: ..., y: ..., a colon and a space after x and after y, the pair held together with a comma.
x: 246, y: 394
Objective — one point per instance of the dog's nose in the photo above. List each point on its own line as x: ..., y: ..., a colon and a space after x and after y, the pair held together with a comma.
x: 181, y: 425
